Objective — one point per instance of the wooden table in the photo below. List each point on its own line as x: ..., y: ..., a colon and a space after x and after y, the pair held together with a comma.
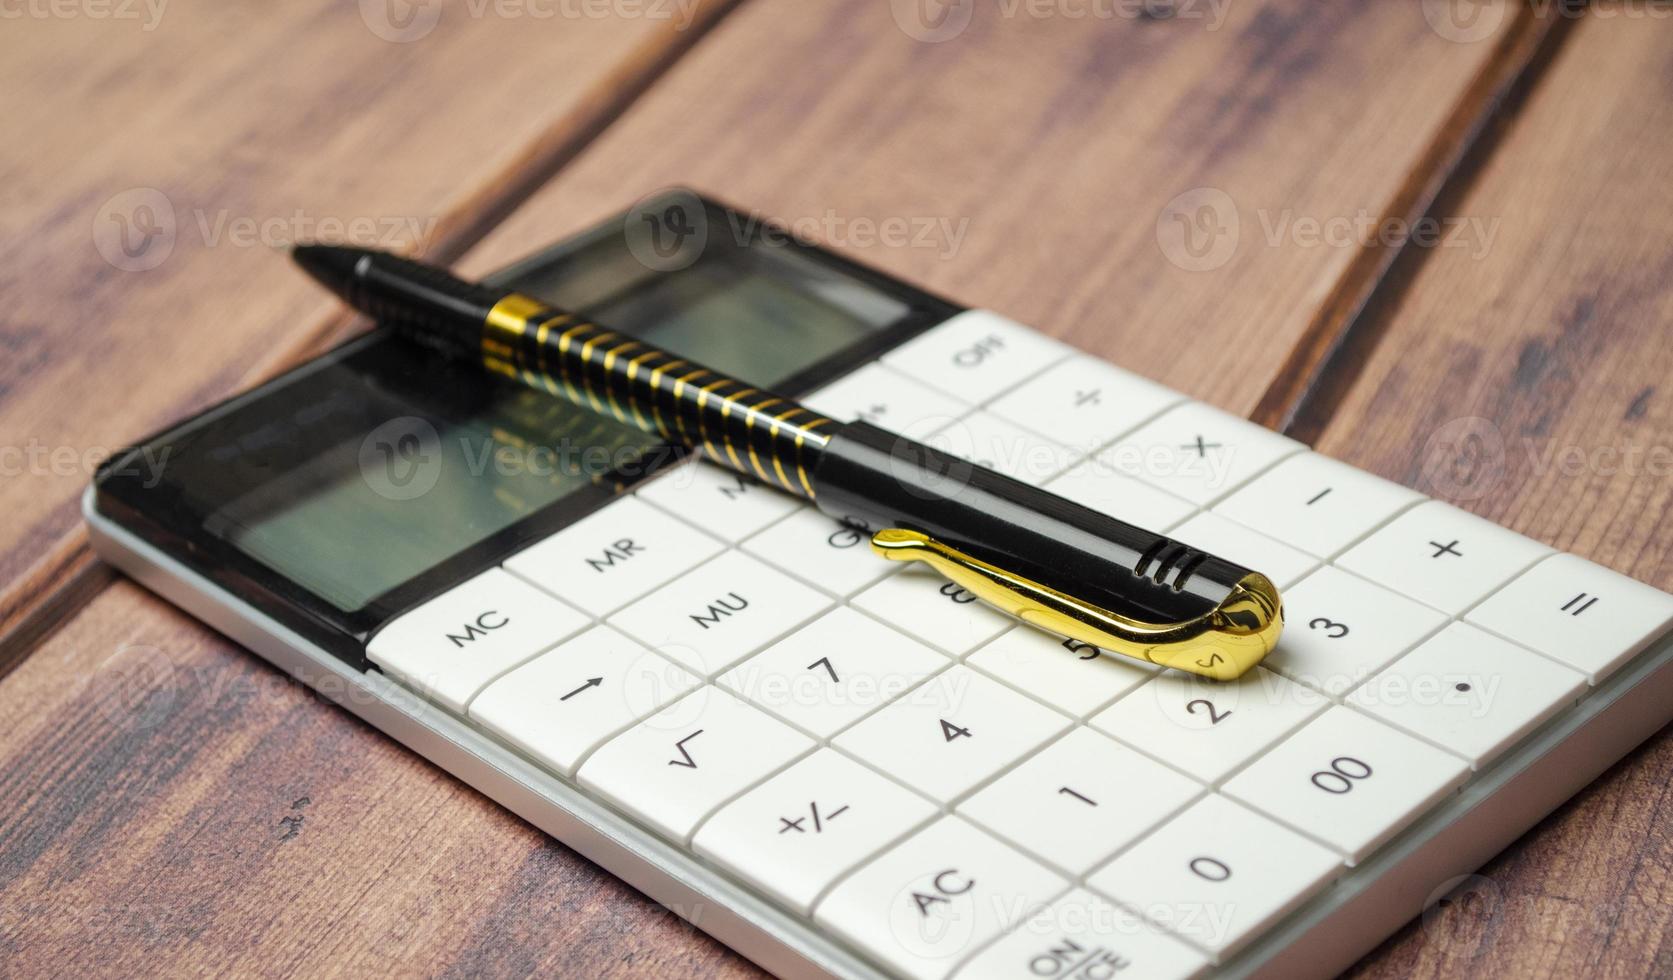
x: 1197, y: 196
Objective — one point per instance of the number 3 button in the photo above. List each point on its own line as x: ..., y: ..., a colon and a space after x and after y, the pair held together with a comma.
x: 1348, y: 780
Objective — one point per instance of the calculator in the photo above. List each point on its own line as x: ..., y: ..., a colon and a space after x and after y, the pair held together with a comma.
x: 840, y: 766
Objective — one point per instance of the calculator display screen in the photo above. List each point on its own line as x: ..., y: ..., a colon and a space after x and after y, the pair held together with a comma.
x: 385, y: 464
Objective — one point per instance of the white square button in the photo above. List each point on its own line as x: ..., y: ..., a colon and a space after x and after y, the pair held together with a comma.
x: 1349, y: 780
x: 614, y: 556
x: 936, y: 897
x: 1209, y: 728
x: 1084, y: 403
x: 821, y: 550
x: 1340, y: 629
x: 562, y: 704
x: 956, y: 730
x: 833, y: 671
x: 679, y: 764
x: 726, y: 504
x: 1316, y: 503
x: 934, y: 609
x: 1235, y: 543
x: 1069, y: 675
x: 976, y: 355
x: 1470, y: 691
x: 887, y: 399
x: 1197, y: 452
x: 1079, y: 800
x: 1217, y: 873
x: 452, y: 646
x: 1092, y: 484
x: 718, y: 613
x: 990, y: 441
x: 1443, y: 556
x: 1585, y: 615
x: 1083, y: 937
x: 795, y: 833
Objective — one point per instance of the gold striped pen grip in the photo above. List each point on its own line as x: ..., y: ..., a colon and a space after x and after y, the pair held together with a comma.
x: 753, y: 432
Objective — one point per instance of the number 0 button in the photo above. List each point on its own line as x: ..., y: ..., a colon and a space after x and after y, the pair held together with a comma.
x: 1348, y: 780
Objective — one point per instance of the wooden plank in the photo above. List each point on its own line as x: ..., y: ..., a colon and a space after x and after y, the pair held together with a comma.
x: 1062, y: 143
x: 142, y: 215
x: 1528, y: 381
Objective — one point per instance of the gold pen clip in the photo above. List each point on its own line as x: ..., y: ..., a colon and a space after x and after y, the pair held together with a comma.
x: 1222, y: 643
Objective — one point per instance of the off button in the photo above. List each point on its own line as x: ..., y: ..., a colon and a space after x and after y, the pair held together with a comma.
x: 452, y: 646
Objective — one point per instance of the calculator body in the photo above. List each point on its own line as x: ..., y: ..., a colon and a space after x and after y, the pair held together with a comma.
x: 322, y: 513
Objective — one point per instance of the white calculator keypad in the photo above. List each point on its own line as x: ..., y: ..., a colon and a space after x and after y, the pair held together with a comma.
x: 452, y: 646
x: 720, y: 612
x: 976, y: 355
x: 1470, y: 692
x: 956, y: 730
x: 565, y: 702
x: 953, y: 793
x: 797, y: 832
x: 674, y: 767
x: 1079, y: 800
x: 1082, y: 937
x: 1083, y: 403
x: 936, y: 897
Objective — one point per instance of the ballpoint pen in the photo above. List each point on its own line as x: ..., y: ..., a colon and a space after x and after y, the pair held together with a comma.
x: 1045, y: 560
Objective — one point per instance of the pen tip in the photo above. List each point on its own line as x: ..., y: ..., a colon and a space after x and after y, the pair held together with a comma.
x: 334, y: 266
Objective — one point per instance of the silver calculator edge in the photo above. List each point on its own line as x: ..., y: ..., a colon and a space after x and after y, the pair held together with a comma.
x: 1324, y: 936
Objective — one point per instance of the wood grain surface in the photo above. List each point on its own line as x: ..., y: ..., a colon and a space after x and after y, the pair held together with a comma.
x: 178, y: 807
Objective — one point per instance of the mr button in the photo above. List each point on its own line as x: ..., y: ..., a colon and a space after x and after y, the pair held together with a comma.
x: 452, y: 646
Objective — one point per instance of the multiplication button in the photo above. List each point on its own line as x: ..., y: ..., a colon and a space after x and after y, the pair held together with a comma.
x: 976, y: 355
x: 679, y: 764
x: 1197, y: 452
x: 1079, y: 800
x: 718, y: 613
x: 726, y: 504
x: 1082, y: 937
x: 931, y: 900
x: 1579, y: 613
x: 563, y: 703
x: 794, y: 834
x: 612, y: 557
x: 1443, y: 556
x: 1216, y: 874
x: 452, y: 646
x: 1348, y: 780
